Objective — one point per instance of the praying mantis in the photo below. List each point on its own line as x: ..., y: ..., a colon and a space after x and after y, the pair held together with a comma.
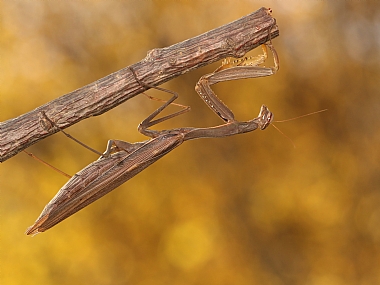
x: 122, y: 160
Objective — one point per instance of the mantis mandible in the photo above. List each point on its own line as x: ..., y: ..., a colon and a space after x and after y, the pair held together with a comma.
x: 122, y: 160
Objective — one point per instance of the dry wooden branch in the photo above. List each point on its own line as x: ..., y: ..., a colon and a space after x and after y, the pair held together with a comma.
x: 160, y: 65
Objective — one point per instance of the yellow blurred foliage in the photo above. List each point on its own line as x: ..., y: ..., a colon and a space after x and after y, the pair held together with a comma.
x: 247, y: 209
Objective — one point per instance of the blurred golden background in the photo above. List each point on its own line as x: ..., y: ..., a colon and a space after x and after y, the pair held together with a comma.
x: 249, y: 209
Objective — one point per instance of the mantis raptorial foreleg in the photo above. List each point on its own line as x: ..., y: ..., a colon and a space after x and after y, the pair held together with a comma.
x: 122, y: 160
x: 113, y: 169
x: 229, y: 70
x: 252, y: 60
x: 233, y: 70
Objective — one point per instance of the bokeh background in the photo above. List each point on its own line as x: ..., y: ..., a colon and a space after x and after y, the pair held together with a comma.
x: 248, y: 209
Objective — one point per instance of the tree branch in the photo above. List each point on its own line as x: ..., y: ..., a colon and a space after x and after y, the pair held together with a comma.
x: 160, y: 65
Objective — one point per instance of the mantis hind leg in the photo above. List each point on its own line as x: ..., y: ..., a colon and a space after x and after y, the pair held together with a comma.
x: 47, y: 122
x: 118, y: 145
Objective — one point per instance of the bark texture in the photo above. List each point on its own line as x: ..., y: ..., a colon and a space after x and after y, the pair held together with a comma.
x: 160, y: 65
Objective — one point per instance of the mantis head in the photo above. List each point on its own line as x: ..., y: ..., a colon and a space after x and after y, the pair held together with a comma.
x: 265, y: 117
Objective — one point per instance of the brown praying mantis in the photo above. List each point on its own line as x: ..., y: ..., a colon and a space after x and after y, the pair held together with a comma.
x: 122, y: 160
